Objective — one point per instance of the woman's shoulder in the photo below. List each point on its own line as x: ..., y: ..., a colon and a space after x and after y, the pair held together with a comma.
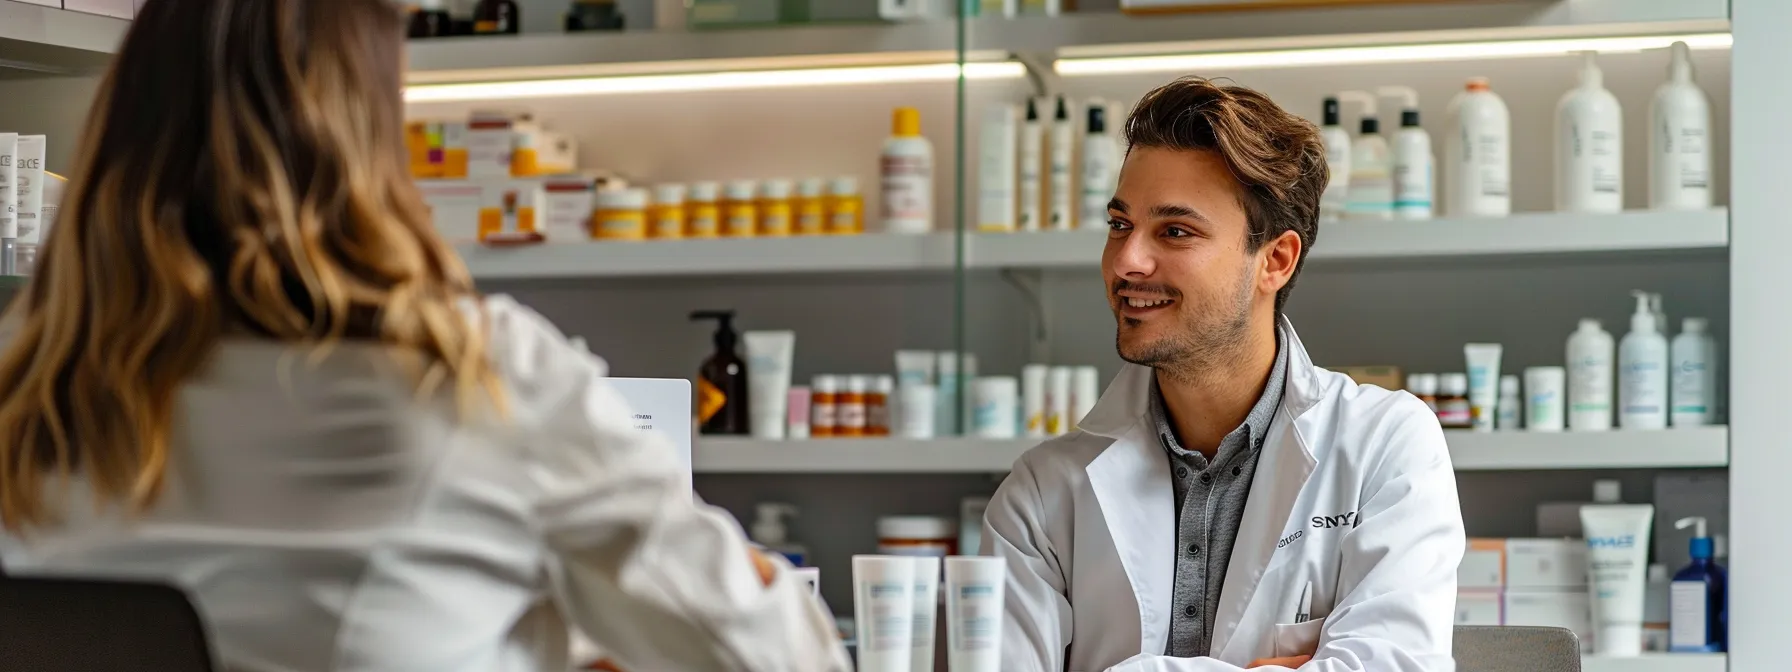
x: 535, y: 360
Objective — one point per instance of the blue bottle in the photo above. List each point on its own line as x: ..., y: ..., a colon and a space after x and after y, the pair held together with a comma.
x: 1698, y: 597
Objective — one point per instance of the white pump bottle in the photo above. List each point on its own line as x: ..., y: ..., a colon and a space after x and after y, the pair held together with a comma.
x: 1643, y: 371
x: 1371, y: 193
x: 1337, y: 162
x: 1413, y: 162
x: 1590, y: 378
x: 1680, y: 139
x: 1478, y: 153
x: 1693, y: 381
x: 1589, y: 145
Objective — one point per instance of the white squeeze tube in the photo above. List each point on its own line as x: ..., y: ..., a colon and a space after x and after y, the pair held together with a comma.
x: 974, y: 613
x: 926, y: 604
x: 1617, y: 564
x: 9, y: 226
x: 769, y: 355
x: 883, y: 589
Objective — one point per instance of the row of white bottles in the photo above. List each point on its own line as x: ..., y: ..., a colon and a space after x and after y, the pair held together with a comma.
x: 1658, y: 383
x: 1029, y: 178
x: 1371, y: 181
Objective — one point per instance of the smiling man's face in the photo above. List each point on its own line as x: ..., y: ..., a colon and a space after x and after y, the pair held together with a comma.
x: 1181, y: 277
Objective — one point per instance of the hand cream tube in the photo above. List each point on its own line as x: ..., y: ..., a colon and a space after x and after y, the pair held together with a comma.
x: 769, y: 354
x: 927, y: 606
x: 28, y: 187
x: 883, y: 589
x: 1483, y: 383
x: 974, y: 613
x: 1617, y: 564
x: 9, y: 227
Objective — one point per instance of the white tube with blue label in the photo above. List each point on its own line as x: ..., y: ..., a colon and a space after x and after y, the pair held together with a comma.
x: 1483, y: 383
x: 1617, y: 569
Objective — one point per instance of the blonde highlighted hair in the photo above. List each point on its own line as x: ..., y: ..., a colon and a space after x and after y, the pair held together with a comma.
x: 242, y: 174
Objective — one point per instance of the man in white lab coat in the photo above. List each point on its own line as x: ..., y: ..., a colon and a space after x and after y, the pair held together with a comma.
x: 1226, y: 504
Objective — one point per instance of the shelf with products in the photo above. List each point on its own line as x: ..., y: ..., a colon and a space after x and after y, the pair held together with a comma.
x: 1701, y: 447
x: 40, y: 41
x: 716, y: 256
x: 1657, y: 662
x: 1542, y: 233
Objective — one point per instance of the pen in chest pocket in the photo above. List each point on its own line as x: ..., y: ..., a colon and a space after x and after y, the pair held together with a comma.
x: 1304, y: 611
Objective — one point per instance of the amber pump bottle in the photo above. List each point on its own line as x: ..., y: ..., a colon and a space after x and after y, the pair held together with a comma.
x: 496, y: 17
x: 722, y: 380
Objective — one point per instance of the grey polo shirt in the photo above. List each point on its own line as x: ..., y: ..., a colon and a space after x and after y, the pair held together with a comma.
x: 1210, y: 499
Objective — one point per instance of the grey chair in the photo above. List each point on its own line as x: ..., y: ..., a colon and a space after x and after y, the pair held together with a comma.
x: 99, y: 626
x: 1489, y: 648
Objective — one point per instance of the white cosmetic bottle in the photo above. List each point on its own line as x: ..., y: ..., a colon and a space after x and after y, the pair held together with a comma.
x: 1692, y: 393
x: 1643, y: 372
x: 907, y: 169
x: 996, y: 179
x: 1412, y: 158
x: 1063, y: 155
x: 1589, y: 145
x: 1680, y: 140
x: 1590, y: 378
x: 1101, y: 167
x: 1371, y: 195
x: 1032, y: 163
x: 1337, y: 162
x: 1478, y: 154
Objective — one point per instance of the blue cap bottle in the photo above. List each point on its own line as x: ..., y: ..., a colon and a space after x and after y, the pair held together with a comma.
x: 1698, y: 597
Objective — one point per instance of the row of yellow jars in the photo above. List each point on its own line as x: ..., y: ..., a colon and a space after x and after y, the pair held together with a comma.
x: 743, y: 209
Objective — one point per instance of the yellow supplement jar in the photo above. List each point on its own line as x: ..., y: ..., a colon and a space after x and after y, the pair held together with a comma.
x: 665, y: 218
x: 775, y: 208
x: 811, y: 207
x: 740, y: 211
x: 621, y: 215
x: 846, y: 208
x: 703, y: 215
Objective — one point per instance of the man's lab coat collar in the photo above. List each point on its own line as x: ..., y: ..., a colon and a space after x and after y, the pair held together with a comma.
x: 1128, y: 397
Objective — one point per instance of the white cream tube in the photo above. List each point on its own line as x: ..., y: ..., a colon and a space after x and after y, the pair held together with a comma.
x: 927, y: 605
x: 974, y: 613
x: 9, y: 226
x: 769, y: 355
x: 1483, y: 383
x: 28, y: 187
x: 1617, y: 566
x: 883, y: 589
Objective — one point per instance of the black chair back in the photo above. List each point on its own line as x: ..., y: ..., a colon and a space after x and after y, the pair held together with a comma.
x: 99, y: 626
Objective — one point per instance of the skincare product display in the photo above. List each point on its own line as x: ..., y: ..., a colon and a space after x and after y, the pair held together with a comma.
x: 1050, y: 164
x: 897, y: 601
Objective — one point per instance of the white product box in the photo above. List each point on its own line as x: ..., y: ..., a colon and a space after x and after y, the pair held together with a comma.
x: 491, y: 144
x: 570, y: 200
x: 454, y: 204
x: 1480, y: 608
x: 1552, y: 608
x: 1546, y: 563
x: 122, y: 9
x: 1483, y: 565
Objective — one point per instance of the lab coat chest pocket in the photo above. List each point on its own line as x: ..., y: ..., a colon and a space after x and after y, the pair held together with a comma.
x: 1298, y: 639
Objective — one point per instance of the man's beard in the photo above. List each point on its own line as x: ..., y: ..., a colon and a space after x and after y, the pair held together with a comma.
x: 1206, y: 342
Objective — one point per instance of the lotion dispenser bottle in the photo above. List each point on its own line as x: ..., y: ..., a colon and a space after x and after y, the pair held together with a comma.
x: 1698, y: 597
x: 1413, y: 189
x: 1337, y: 162
x: 1590, y: 378
x: 769, y: 531
x: 1680, y: 139
x: 1101, y: 166
x: 1063, y: 153
x: 1589, y: 145
x: 1643, y: 371
x: 1692, y: 393
x: 1371, y: 166
x: 722, y: 380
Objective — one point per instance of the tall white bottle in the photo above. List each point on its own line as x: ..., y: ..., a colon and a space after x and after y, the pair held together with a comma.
x: 907, y: 171
x: 1337, y: 162
x: 1032, y: 166
x: 1643, y: 371
x: 1692, y: 395
x: 1590, y: 378
x: 996, y: 177
x: 1371, y: 194
x: 1589, y: 145
x: 1680, y: 140
x: 1478, y: 154
x: 1101, y: 167
x: 1413, y: 171
x: 1063, y: 154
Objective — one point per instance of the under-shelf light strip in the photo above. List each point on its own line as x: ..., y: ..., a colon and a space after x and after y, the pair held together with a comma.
x: 1231, y: 61
x: 711, y: 81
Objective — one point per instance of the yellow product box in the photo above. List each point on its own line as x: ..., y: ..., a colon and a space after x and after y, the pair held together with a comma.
x: 416, y: 145
x: 570, y: 202
x: 537, y: 152
x: 510, y: 210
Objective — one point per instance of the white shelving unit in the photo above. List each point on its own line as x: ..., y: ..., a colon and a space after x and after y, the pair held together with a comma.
x: 1470, y: 451
x: 37, y: 41
x: 1524, y: 234
x: 1636, y: 232
x: 1658, y: 662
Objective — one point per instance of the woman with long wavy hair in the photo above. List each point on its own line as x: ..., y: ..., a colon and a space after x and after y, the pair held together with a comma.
x: 249, y: 367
